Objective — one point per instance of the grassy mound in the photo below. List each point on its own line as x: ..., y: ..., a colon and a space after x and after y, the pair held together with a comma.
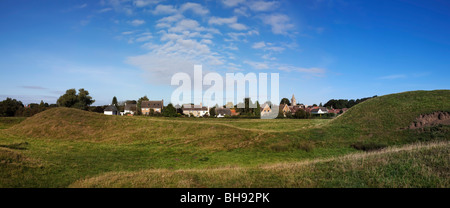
x: 395, y: 111
x: 73, y: 124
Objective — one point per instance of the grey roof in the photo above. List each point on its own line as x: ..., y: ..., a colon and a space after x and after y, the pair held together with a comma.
x: 195, y: 108
x: 320, y: 108
x: 130, y: 107
x: 223, y: 111
x: 152, y: 104
x: 111, y: 108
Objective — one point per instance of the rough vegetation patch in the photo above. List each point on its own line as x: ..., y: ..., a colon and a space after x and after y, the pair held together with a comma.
x: 432, y: 119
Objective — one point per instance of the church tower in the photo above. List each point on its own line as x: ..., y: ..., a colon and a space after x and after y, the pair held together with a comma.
x: 293, y: 101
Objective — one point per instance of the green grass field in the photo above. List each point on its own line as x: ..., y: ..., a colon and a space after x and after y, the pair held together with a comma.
x: 65, y: 147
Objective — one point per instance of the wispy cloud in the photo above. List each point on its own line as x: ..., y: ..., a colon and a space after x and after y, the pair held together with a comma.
x: 394, y: 76
x: 143, y: 3
x: 105, y: 10
x: 232, y: 3
x: 34, y: 87
x: 81, y: 6
x: 195, y: 8
x: 280, y: 23
x: 231, y: 22
x: 164, y: 9
x: 258, y: 65
x: 267, y: 46
x: 263, y: 6
x: 136, y: 22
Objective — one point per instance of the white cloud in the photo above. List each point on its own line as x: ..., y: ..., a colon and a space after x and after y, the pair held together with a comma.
x: 259, y: 45
x: 241, y: 11
x: 231, y: 47
x: 221, y: 21
x: 104, y: 10
x: 118, y: 5
x: 280, y: 23
x: 314, y: 71
x: 127, y: 32
x: 238, y: 26
x: 164, y: 9
x: 268, y: 57
x: 144, y: 38
x: 136, y: 22
x: 195, y: 8
x: 257, y: 65
x: 176, y: 55
x: 81, y: 6
x: 232, y: 3
x: 207, y: 41
x: 143, y: 3
x: 263, y: 6
x: 185, y: 24
x: 267, y: 46
x: 241, y: 36
x: 231, y: 22
x: 163, y: 24
x: 190, y: 25
x: 172, y: 18
x: 394, y: 76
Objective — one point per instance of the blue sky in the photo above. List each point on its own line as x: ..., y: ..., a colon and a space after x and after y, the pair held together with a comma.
x: 323, y: 49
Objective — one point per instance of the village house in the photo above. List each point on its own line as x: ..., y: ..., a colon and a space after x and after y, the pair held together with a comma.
x: 130, y: 108
x: 319, y: 110
x: 265, y: 109
x: 222, y: 112
x: 195, y: 110
x: 234, y: 112
x: 147, y: 106
x: 284, y: 108
x: 111, y: 110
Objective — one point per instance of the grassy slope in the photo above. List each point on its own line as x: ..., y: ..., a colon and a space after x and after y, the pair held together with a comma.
x: 409, y: 166
x: 6, y: 122
x: 394, y: 111
x: 67, y: 145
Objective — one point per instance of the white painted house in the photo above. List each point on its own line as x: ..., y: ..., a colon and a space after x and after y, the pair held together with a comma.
x: 195, y: 110
x: 319, y: 110
x: 130, y: 108
x: 222, y: 112
x: 110, y: 110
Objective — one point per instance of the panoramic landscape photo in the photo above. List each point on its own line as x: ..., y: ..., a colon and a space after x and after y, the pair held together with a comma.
x: 224, y: 94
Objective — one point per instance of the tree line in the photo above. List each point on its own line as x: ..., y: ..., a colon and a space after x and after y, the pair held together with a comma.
x: 83, y: 101
x: 342, y: 103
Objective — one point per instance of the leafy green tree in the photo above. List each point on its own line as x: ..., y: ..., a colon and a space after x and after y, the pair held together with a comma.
x: 42, y: 104
x: 285, y: 101
x: 280, y: 114
x: 68, y: 99
x: 139, y: 102
x: 114, y: 102
x: 71, y: 100
x: 10, y: 107
x: 169, y: 111
x: 300, y: 113
x: 212, y: 112
x: 258, y: 110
